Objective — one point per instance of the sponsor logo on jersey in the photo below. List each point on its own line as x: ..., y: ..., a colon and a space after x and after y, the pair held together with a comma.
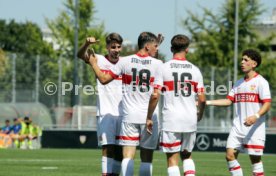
x: 246, y: 97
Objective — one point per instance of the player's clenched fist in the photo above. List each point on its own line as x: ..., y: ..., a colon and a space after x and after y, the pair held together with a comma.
x: 91, y: 40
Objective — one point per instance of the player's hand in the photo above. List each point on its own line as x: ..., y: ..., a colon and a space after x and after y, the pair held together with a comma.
x: 250, y: 120
x: 91, y: 40
x: 149, y: 125
x: 92, y: 58
x: 160, y: 38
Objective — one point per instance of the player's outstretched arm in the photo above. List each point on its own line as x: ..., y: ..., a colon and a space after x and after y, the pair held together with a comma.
x: 102, y: 77
x: 219, y: 102
x: 154, y: 98
x: 83, y: 51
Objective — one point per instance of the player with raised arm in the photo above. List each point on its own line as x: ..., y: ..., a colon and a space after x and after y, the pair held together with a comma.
x: 108, y: 103
x: 252, y: 100
x: 181, y: 82
x: 138, y: 73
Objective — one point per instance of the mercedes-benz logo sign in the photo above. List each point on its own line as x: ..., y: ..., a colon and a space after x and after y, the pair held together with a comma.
x: 202, y: 142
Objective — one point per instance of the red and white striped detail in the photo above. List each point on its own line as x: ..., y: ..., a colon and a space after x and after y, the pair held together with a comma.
x: 189, y: 172
x: 258, y: 173
x: 170, y: 145
x: 235, y: 168
x: 128, y: 138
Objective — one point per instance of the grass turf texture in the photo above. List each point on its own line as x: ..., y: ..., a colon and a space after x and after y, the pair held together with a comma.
x: 74, y: 162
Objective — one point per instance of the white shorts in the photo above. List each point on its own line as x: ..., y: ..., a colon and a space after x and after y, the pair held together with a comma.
x: 108, y: 128
x: 171, y: 142
x: 136, y: 134
x: 250, y: 146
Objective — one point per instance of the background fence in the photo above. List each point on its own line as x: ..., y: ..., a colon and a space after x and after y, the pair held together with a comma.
x: 22, y: 93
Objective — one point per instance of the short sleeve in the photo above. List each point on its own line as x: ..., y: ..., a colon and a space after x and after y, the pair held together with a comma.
x: 264, y: 92
x: 158, y: 80
x: 200, y: 85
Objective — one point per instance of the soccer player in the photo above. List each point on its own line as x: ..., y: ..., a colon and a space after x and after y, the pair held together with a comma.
x: 138, y: 72
x: 181, y: 82
x: 252, y: 100
x: 108, y: 104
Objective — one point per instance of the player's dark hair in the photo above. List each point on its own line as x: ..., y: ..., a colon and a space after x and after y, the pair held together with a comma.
x: 144, y: 38
x: 113, y: 37
x: 179, y: 43
x: 254, y: 55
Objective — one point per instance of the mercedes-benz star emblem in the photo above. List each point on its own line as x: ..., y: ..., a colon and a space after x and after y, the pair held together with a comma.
x: 202, y: 142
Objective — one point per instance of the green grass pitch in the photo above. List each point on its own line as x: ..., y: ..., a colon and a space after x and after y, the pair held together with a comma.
x: 77, y: 162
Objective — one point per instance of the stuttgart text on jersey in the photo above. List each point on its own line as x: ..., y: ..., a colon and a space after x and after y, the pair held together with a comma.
x: 139, y: 61
x: 176, y: 65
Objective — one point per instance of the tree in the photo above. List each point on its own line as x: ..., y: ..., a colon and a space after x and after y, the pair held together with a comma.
x: 25, y: 40
x: 213, y: 34
x: 63, y: 32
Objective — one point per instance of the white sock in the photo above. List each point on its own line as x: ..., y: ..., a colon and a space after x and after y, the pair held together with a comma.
x: 145, y: 169
x: 116, y: 168
x: 188, y: 167
x: 173, y: 171
x: 106, y: 165
x: 127, y: 167
x: 258, y: 169
x: 234, y: 168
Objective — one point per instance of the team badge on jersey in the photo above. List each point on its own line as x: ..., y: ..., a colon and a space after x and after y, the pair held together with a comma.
x: 252, y: 87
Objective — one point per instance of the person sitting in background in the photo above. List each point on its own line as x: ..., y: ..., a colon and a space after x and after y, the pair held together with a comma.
x: 5, y: 140
x: 15, y: 131
x: 26, y: 133
x: 7, y: 128
x: 36, y: 133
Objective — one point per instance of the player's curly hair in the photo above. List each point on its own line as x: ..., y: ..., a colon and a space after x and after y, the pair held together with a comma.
x: 254, y: 55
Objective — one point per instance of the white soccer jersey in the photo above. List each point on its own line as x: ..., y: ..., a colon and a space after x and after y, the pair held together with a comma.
x: 138, y: 73
x: 181, y: 81
x: 248, y: 97
x: 110, y: 95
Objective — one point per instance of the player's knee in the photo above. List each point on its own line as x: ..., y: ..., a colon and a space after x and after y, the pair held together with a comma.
x: 255, y: 159
x: 146, y: 155
x: 230, y: 156
x: 185, y: 155
x: 108, y: 151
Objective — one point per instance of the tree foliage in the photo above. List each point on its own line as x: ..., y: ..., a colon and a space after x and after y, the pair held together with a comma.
x: 63, y: 30
x: 25, y: 38
x: 213, y: 34
x: 25, y: 41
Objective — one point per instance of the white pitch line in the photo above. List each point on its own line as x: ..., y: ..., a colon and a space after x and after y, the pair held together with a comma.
x: 49, y: 168
x: 32, y: 160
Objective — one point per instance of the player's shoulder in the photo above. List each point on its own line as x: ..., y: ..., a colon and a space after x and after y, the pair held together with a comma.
x: 99, y: 56
x: 156, y: 60
x: 126, y: 58
x: 261, y: 79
